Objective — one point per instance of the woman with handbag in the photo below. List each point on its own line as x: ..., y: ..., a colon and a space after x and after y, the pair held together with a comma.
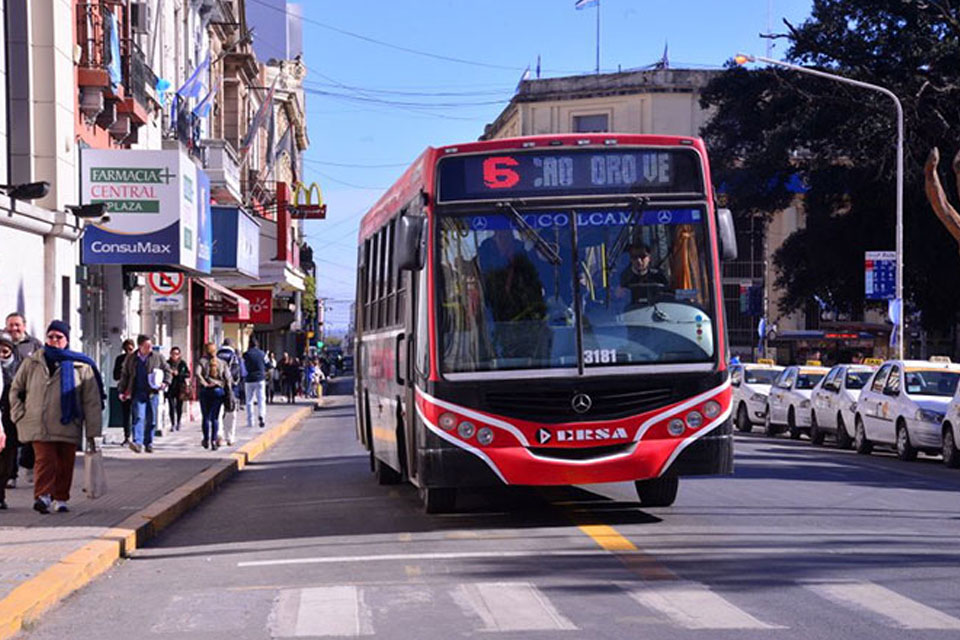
x: 216, y: 390
x: 179, y: 389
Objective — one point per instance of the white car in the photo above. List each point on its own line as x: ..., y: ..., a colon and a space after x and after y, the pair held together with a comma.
x: 951, y: 432
x: 788, y: 406
x: 904, y: 406
x: 834, y: 403
x: 751, y: 386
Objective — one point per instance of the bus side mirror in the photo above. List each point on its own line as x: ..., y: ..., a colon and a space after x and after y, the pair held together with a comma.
x: 411, y: 243
x: 728, y: 234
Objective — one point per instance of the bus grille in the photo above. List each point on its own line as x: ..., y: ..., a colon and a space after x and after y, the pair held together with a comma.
x: 555, y: 406
x: 581, y: 453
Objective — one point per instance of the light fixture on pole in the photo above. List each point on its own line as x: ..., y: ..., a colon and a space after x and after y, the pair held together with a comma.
x: 27, y: 190
x: 742, y: 59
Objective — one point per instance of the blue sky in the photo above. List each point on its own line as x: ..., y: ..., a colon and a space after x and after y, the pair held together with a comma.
x: 372, y: 108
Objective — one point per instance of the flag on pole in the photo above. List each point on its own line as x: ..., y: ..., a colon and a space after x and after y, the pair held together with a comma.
x: 525, y: 76
x: 266, y: 107
x: 194, y: 84
x: 202, y: 110
x: 538, y: 66
x: 583, y: 4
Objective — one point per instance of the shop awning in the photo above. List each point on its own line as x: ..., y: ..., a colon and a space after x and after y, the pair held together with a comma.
x: 229, y: 304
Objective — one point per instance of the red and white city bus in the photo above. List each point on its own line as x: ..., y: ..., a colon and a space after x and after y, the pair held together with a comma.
x: 545, y: 311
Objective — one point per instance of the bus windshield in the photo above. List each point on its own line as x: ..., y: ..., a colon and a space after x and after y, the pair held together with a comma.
x: 507, y: 288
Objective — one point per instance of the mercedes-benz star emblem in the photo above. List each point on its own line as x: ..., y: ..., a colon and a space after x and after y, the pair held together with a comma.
x: 581, y: 403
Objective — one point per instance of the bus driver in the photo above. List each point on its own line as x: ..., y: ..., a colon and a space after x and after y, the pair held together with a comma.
x: 644, y: 284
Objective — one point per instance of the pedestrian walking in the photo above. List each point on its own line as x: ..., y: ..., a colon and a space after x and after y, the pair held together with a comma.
x: 215, y: 388
x: 273, y: 376
x: 25, y: 345
x: 179, y: 390
x: 255, y: 384
x: 127, y: 348
x: 56, y: 395
x: 145, y: 373
x: 9, y: 443
x: 290, y: 375
x: 228, y: 353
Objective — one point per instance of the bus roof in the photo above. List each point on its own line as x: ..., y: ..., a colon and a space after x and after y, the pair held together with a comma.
x: 417, y: 177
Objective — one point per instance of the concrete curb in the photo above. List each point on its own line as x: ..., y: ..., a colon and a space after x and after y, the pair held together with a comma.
x: 24, y: 604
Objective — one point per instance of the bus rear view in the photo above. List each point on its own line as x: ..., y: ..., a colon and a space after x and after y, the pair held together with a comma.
x: 569, y: 325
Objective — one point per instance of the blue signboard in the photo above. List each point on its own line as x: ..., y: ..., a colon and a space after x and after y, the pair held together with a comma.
x: 551, y: 219
x: 204, y: 224
x: 236, y: 245
x: 880, y: 275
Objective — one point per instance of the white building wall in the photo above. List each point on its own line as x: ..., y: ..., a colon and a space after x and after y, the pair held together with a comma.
x: 22, y: 279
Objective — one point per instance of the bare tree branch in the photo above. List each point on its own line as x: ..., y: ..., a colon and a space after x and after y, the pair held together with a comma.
x: 936, y: 195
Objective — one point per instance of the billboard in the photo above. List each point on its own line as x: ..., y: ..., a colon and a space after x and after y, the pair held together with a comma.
x: 151, y: 198
x: 236, y: 245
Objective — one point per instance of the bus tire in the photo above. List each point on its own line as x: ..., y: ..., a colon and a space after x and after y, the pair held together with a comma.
x: 386, y: 475
x: 438, y: 499
x: 657, y: 492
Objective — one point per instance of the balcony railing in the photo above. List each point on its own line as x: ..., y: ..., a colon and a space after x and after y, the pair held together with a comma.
x: 139, y: 77
x: 91, y: 37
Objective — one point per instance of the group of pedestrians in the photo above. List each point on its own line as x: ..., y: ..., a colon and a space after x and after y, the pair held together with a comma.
x: 51, y: 401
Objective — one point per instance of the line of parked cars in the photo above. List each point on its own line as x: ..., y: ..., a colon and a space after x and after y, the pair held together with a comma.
x: 908, y: 405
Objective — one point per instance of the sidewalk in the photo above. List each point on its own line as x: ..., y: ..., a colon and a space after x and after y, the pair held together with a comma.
x: 45, y: 557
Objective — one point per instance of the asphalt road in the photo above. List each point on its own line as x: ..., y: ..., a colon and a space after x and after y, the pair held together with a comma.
x: 801, y: 542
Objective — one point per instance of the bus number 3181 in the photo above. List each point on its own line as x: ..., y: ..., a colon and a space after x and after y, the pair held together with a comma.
x: 599, y: 356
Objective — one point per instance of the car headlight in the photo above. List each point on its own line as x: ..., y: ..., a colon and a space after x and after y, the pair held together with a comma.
x: 928, y: 415
x: 804, y: 404
x: 758, y: 397
x: 853, y: 407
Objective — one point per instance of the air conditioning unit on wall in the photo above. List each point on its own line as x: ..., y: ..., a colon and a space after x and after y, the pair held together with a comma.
x: 140, y: 17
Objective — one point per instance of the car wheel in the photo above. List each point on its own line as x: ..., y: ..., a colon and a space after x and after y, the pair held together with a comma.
x: 792, y: 425
x: 843, y: 438
x: 905, y: 450
x: 769, y: 429
x: 816, y: 435
x: 860, y: 442
x: 743, y: 419
x: 657, y: 492
x: 951, y: 455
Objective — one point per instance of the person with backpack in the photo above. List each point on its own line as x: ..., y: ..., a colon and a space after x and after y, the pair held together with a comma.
x: 255, y: 383
x: 238, y: 372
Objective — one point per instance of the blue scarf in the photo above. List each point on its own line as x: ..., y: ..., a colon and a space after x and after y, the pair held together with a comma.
x: 70, y: 409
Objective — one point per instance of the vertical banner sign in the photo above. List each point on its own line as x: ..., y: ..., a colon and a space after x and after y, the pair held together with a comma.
x: 880, y: 275
x: 204, y: 223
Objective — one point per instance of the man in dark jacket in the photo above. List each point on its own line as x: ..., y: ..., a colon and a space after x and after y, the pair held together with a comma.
x: 128, y: 348
x: 140, y: 383
x: 255, y: 383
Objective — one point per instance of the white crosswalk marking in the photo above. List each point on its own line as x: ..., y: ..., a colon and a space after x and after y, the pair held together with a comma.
x: 510, y: 606
x: 693, y: 606
x: 337, y: 611
x: 901, y: 611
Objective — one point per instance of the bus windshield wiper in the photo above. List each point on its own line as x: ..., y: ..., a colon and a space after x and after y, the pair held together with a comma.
x: 623, y: 238
x: 545, y: 248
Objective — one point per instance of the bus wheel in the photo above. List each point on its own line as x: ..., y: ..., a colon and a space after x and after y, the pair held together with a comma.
x: 657, y: 492
x: 438, y: 499
x: 385, y: 473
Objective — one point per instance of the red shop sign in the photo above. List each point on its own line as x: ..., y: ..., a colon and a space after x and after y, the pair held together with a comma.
x: 261, y: 305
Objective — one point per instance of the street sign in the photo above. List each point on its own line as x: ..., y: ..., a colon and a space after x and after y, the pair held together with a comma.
x: 172, y: 302
x: 880, y: 275
x: 165, y: 284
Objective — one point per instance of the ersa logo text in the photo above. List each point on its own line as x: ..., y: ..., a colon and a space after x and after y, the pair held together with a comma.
x: 545, y: 436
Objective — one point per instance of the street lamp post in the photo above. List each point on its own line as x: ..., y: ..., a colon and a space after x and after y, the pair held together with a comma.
x: 744, y: 58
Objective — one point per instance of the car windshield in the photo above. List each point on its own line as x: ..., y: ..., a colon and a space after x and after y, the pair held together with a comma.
x: 931, y: 382
x: 760, y: 376
x: 507, y: 298
x: 857, y: 379
x: 808, y: 380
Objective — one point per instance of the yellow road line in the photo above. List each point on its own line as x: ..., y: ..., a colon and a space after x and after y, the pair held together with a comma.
x: 636, y: 561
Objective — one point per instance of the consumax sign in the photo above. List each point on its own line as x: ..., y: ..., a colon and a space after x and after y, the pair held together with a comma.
x: 155, y: 202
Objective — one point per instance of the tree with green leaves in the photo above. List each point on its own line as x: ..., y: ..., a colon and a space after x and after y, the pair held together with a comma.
x: 772, y: 125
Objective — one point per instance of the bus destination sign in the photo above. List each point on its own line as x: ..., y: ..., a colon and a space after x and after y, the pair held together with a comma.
x: 568, y: 172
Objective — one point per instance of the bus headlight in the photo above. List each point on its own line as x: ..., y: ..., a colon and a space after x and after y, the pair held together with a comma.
x: 694, y: 420
x: 448, y: 421
x: 676, y: 427
x: 485, y: 436
x: 466, y: 430
x: 711, y: 409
